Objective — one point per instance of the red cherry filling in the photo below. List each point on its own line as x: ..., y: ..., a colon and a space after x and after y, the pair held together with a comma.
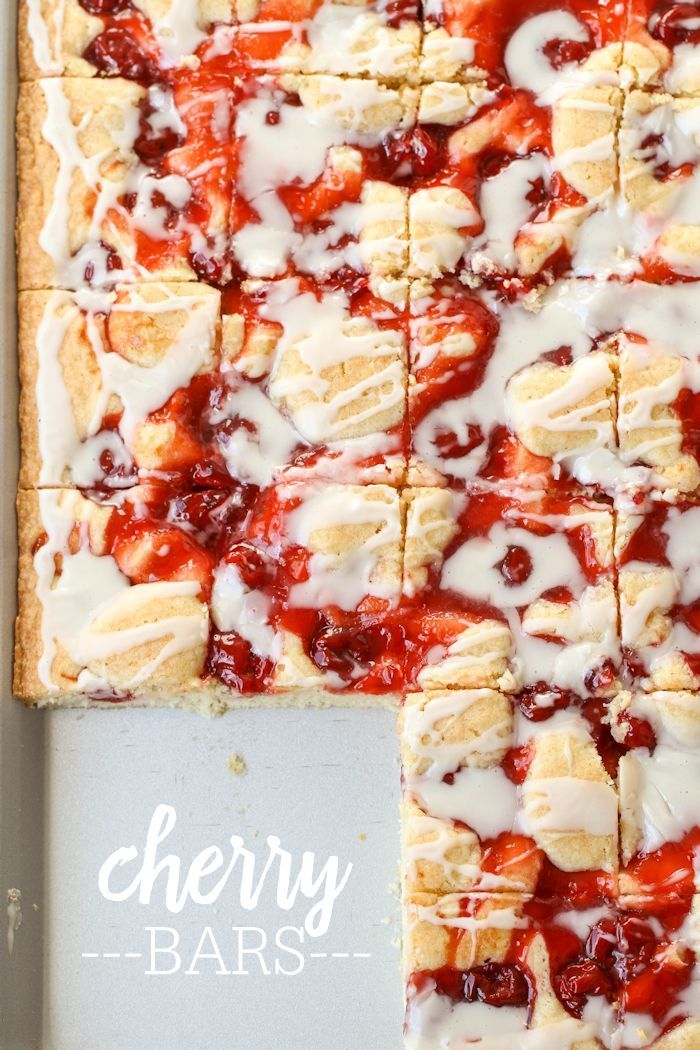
x: 637, y: 732
x: 450, y: 446
x: 152, y: 146
x: 211, y: 268
x: 252, y: 566
x: 117, y: 53
x: 344, y: 649
x: 539, y: 702
x: 232, y: 660
x: 516, y: 763
x: 580, y: 979
x: 516, y: 566
x: 112, y: 263
x: 497, y: 985
x: 427, y: 153
x: 563, y: 52
x: 602, y: 941
x: 678, y: 25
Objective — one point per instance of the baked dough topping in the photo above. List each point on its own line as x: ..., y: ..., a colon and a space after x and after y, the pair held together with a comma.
x: 359, y: 363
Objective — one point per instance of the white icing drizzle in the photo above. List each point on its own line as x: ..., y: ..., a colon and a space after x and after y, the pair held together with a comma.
x: 178, y: 31
x: 440, y: 51
x: 46, y: 35
x: 324, y: 335
x: 425, y: 739
x: 505, y: 209
x: 344, y: 38
x: 90, y: 587
x: 305, y: 399
x: 525, y: 60
x: 565, y: 804
x: 235, y: 607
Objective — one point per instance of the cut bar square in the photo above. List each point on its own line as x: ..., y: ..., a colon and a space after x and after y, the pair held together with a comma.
x: 510, y: 970
x: 512, y: 391
x: 317, y: 192
x: 511, y: 190
x: 508, y: 795
x: 659, y: 812
x: 113, y: 183
x: 659, y: 155
x: 510, y: 590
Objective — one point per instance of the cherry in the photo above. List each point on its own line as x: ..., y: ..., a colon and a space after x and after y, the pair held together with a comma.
x: 633, y: 664
x: 427, y: 155
x: 418, y: 148
x: 562, y: 52
x: 600, y: 678
x: 492, y: 163
x: 115, y: 470
x: 537, y: 195
x: 448, y: 981
x: 539, y: 702
x: 672, y: 27
x: 563, y: 355
x: 637, y: 732
x: 112, y: 262
x: 579, y: 980
x: 497, y: 985
x: 199, y: 509
x: 211, y: 269
x: 342, y: 649
x: 152, y: 146
x: 602, y: 941
x: 516, y: 566
x: 516, y: 763
x: 232, y: 660
x: 117, y: 53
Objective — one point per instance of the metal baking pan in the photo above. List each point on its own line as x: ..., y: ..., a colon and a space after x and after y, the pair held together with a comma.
x: 77, y: 786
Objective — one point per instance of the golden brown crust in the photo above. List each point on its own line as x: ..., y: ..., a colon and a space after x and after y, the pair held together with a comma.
x: 65, y: 40
x: 27, y: 684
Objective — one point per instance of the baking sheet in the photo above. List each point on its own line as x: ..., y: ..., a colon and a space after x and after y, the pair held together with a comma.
x: 77, y: 785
